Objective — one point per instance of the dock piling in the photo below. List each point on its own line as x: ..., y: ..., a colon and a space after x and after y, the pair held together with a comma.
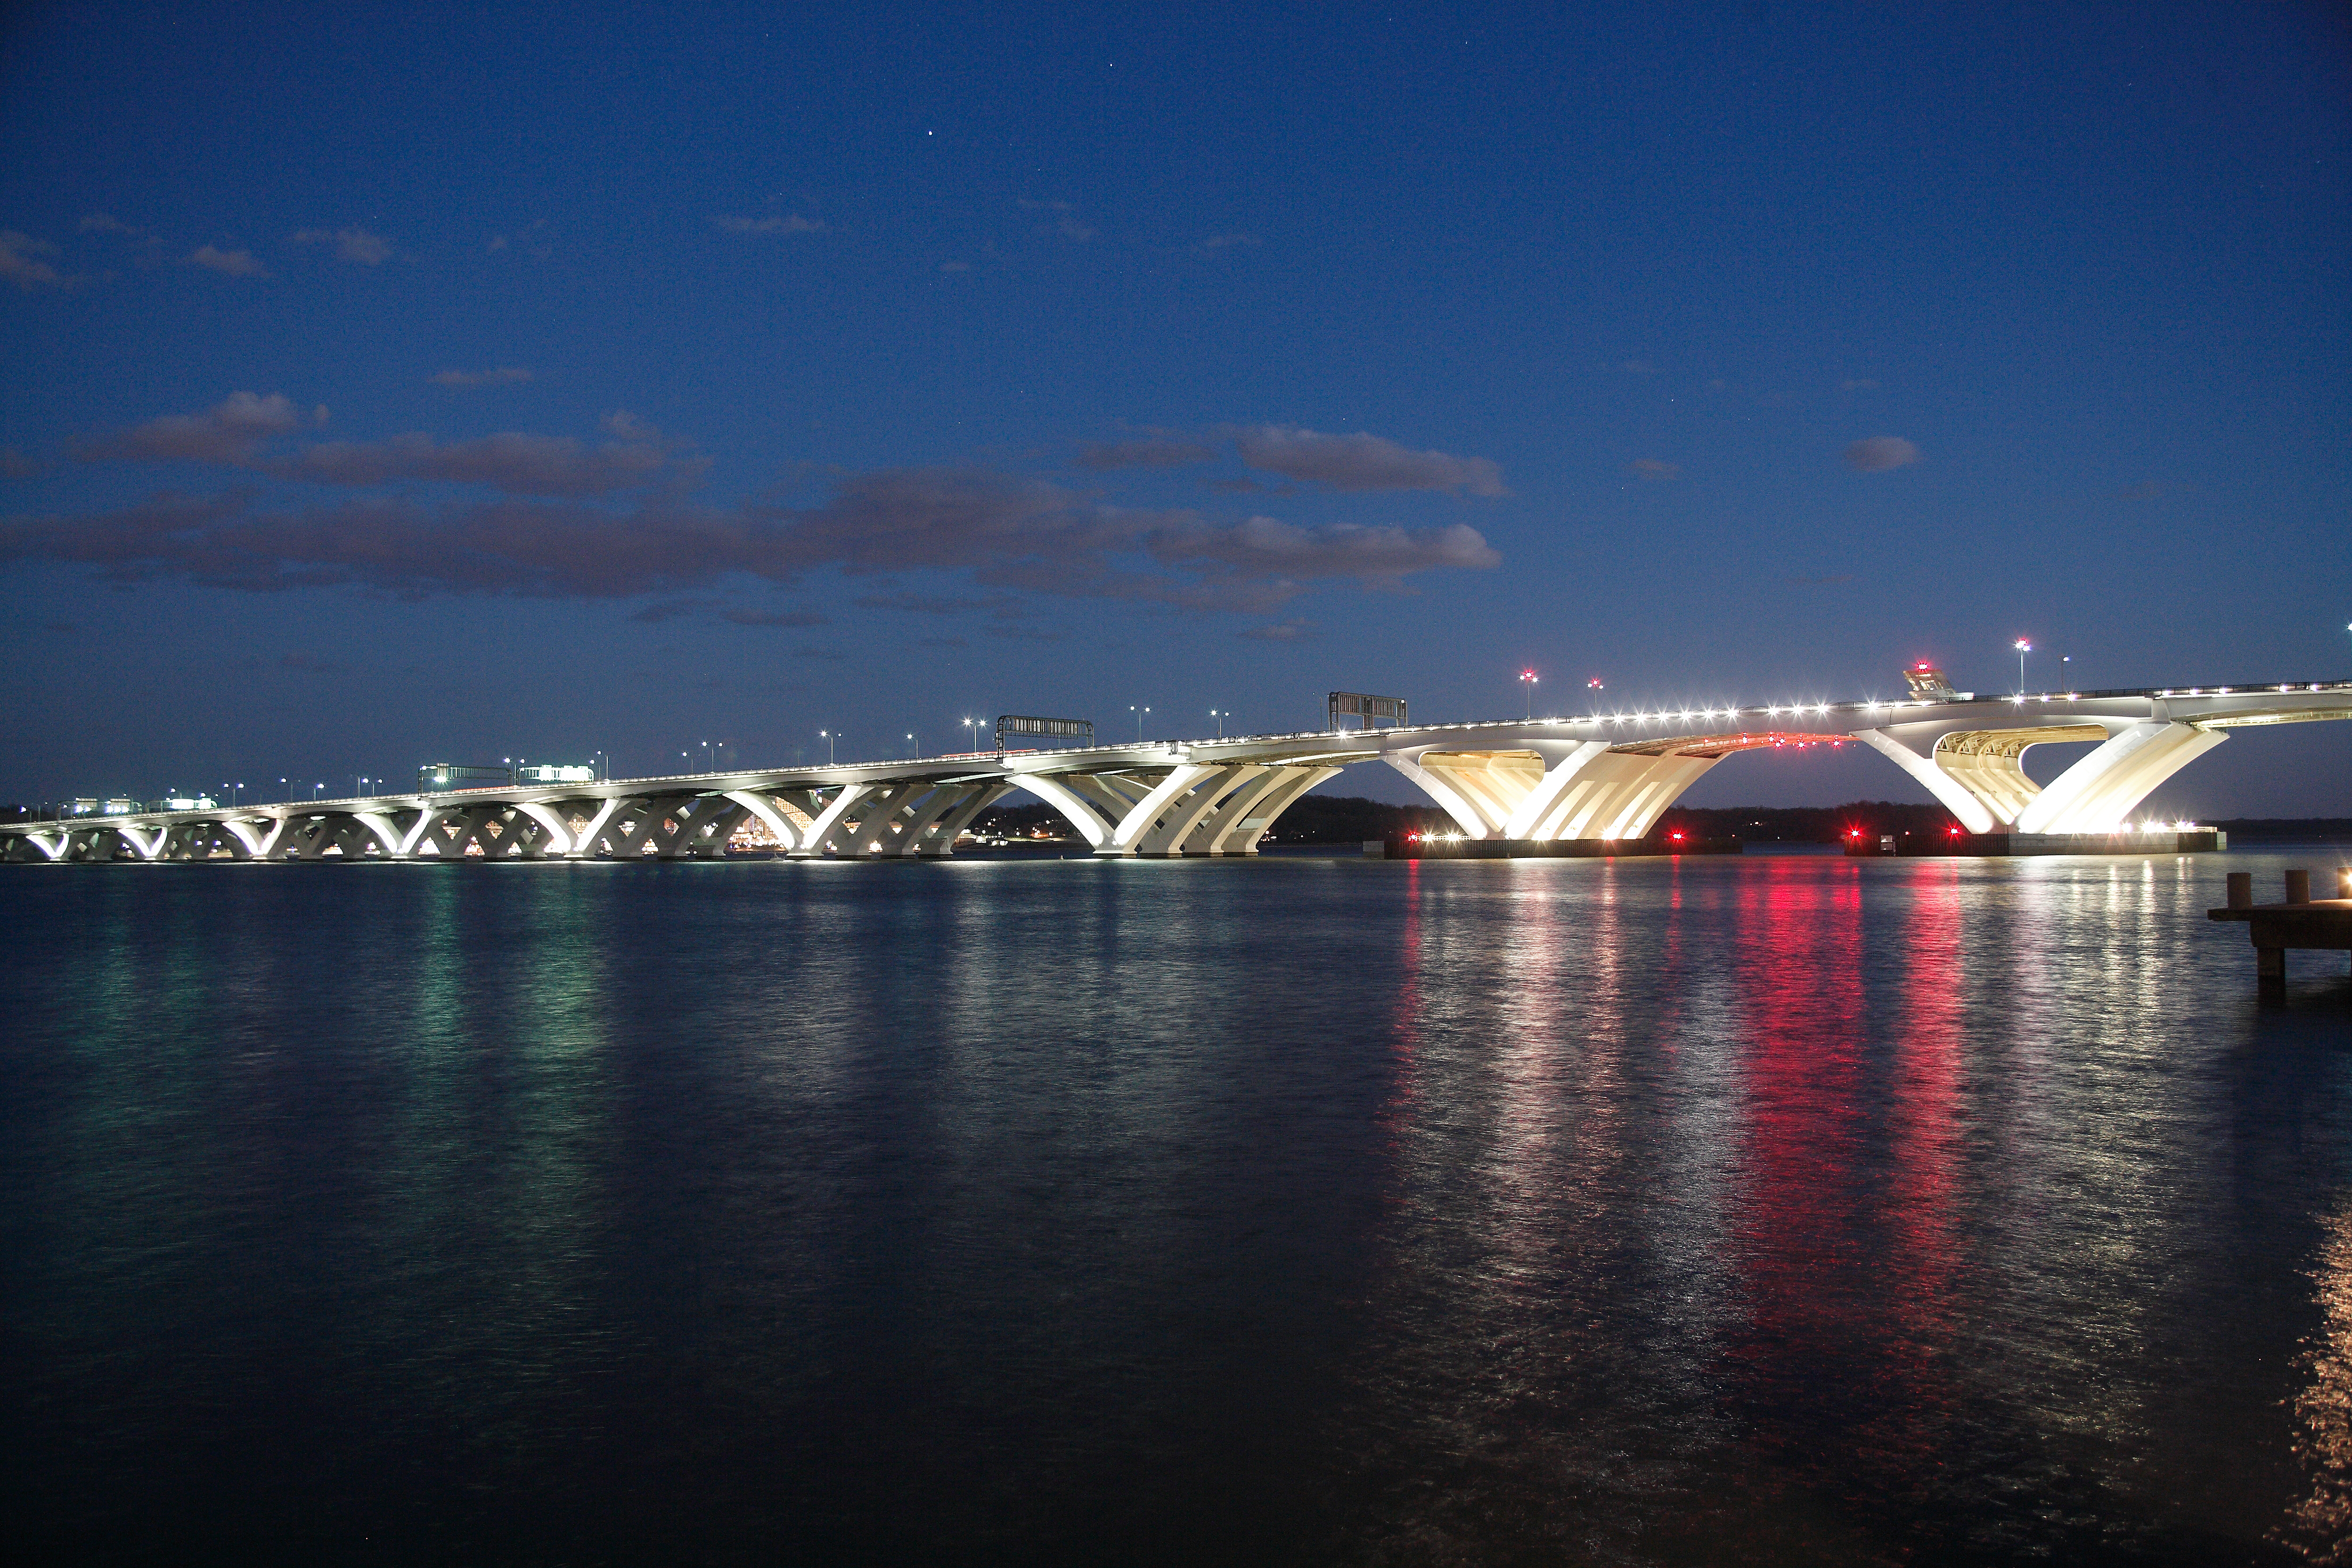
x: 2242, y: 890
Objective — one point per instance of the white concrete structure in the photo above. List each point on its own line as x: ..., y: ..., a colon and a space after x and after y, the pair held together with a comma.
x: 1605, y: 776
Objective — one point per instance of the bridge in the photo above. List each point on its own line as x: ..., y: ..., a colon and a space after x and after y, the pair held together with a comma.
x: 1605, y: 776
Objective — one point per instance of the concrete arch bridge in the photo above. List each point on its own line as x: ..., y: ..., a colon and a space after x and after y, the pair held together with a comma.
x: 1603, y: 776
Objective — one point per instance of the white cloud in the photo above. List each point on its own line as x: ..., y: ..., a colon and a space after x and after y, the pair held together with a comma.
x: 230, y: 433
x: 350, y: 245
x: 504, y: 375
x: 21, y: 263
x: 1877, y: 454
x: 773, y: 223
x: 1363, y: 462
x: 234, y: 263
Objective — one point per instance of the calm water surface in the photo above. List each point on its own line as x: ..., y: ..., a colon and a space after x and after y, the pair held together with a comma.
x: 1781, y: 1209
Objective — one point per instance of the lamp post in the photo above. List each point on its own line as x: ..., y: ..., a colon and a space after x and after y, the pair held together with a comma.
x: 1221, y: 719
x: 972, y: 734
x: 918, y: 745
x: 1138, y: 713
x: 283, y: 788
x: 2023, y: 648
x: 828, y: 737
x: 1528, y: 684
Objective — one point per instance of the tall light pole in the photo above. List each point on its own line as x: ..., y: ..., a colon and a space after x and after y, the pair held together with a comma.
x: 282, y: 791
x: 828, y: 737
x: 2023, y: 648
x: 1138, y: 713
x: 912, y: 741
x: 1221, y: 719
x: 1528, y: 684
x: 972, y: 734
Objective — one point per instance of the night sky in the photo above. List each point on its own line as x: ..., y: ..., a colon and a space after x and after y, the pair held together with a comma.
x: 390, y: 385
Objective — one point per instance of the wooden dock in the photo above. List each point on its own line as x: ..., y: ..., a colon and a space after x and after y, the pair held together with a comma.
x: 2301, y: 921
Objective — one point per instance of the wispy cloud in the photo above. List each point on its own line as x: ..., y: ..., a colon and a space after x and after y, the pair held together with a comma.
x: 793, y: 618
x: 107, y: 223
x: 21, y: 263
x: 1652, y: 468
x: 231, y: 433
x: 1066, y: 220
x: 353, y: 245
x: 1011, y: 534
x: 504, y: 375
x: 232, y: 263
x: 936, y: 604
x: 513, y: 462
x: 773, y: 222
x: 235, y: 434
x: 1156, y: 450
x: 1283, y: 631
x: 1877, y: 454
x: 1363, y: 462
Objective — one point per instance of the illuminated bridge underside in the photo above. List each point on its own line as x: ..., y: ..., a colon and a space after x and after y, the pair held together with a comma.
x: 1606, y: 776
x: 1571, y: 790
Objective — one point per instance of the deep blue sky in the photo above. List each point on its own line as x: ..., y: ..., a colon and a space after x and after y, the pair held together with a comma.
x: 386, y: 385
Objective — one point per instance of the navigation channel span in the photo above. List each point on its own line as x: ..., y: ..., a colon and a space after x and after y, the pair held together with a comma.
x: 1605, y: 776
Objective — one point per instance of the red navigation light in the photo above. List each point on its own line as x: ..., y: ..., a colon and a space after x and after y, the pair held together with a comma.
x: 1953, y: 831
x: 1676, y: 837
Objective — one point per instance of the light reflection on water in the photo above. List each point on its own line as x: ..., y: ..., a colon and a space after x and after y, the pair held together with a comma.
x: 1791, y: 1209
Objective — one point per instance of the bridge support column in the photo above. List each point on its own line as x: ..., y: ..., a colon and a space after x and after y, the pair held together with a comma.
x: 2100, y: 790
x: 824, y: 826
x: 1253, y: 810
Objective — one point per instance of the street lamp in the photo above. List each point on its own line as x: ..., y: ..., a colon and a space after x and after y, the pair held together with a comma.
x: 2023, y: 648
x: 972, y: 734
x: 282, y: 789
x: 1221, y: 719
x: 828, y: 737
x: 1528, y: 684
x: 912, y: 741
x: 1138, y: 713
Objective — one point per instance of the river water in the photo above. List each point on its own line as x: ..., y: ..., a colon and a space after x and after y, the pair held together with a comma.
x: 1777, y: 1208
